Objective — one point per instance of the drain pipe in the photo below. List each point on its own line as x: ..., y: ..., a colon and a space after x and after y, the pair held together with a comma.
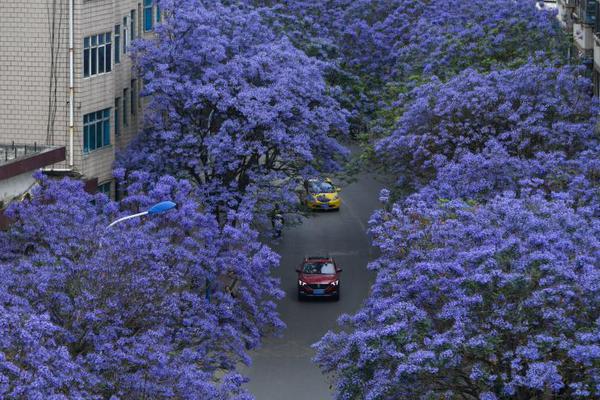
x: 71, y: 84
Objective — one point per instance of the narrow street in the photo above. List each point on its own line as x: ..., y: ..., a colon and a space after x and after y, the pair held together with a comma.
x: 282, y: 368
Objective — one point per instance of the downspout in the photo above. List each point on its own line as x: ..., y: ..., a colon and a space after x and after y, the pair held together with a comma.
x: 71, y: 85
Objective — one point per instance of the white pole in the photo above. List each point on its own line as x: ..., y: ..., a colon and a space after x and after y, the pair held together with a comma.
x: 71, y: 84
x: 127, y: 217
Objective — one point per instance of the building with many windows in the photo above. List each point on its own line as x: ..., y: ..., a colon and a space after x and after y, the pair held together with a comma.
x: 66, y: 79
x: 581, y: 18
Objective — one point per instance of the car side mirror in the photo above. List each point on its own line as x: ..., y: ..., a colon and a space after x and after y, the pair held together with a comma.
x: 339, y: 270
x: 298, y: 270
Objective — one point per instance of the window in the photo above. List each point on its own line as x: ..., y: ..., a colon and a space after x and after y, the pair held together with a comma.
x: 96, y: 130
x: 125, y: 35
x: 125, y: 94
x: 117, y: 116
x: 132, y: 24
x: 133, y: 96
x: 117, y: 44
x: 104, y: 188
x: 97, y: 54
x: 148, y: 15
x: 157, y: 12
x: 86, y: 57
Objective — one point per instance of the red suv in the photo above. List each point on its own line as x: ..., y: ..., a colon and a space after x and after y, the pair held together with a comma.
x: 318, y: 277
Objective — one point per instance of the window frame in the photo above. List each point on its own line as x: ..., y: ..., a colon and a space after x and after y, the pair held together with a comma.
x: 97, y: 54
x: 96, y: 130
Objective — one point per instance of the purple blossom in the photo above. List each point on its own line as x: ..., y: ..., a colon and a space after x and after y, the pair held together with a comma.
x: 489, y: 299
x: 95, y: 312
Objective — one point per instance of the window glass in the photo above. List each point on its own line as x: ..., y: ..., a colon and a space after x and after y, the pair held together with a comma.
x: 125, y: 35
x: 108, y: 57
x: 94, y: 61
x: 117, y: 44
x: 92, y: 137
x: 86, y: 138
x: 96, y: 130
x: 104, y: 188
x: 97, y: 54
x: 86, y: 62
x: 319, y: 268
x: 101, y: 60
x: 132, y: 24
x: 148, y: 15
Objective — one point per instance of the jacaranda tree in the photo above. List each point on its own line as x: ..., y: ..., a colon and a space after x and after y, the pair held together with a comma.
x: 234, y: 108
x: 161, y: 308
x: 481, y: 176
x: 520, y: 113
x: 382, y: 48
x: 494, y: 301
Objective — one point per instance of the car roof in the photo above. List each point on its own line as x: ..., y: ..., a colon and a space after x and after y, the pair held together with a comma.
x: 318, y: 258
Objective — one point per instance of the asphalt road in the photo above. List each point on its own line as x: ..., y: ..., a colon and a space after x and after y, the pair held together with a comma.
x: 282, y: 367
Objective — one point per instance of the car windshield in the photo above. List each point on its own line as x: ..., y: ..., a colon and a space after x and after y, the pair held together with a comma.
x: 318, y: 268
x: 321, y: 187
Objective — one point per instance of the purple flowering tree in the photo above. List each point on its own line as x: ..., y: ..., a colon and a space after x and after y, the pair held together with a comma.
x: 234, y: 108
x: 481, y: 176
x: 161, y: 308
x: 524, y: 113
x: 474, y: 301
x: 382, y: 48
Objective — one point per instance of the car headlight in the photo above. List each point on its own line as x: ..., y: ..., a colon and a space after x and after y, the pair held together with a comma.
x: 301, y: 283
x: 335, y: 283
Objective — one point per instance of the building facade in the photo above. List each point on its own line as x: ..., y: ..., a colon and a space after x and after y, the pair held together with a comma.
x: 581, y: 19
x: 91, y: 105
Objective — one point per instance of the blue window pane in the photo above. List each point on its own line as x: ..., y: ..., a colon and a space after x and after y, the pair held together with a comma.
x: 94, y: 61
x: 157, y: 13
x: 101, y: 64
x: 86, y: 139
x: 99, y: 134
x: 107, y: 37
x: 92, y: 136
x: 107, y: 113
x: 86, y: 62
x: 106, y: 133
x: 117, y: 49
x: 99, y: 115
x: 94, y: 40
x: 148, y: 15
x: 86, y: 118
x: 108, y: 58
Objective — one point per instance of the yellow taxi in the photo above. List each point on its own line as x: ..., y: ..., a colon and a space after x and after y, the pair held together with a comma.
x: 321, y: 194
